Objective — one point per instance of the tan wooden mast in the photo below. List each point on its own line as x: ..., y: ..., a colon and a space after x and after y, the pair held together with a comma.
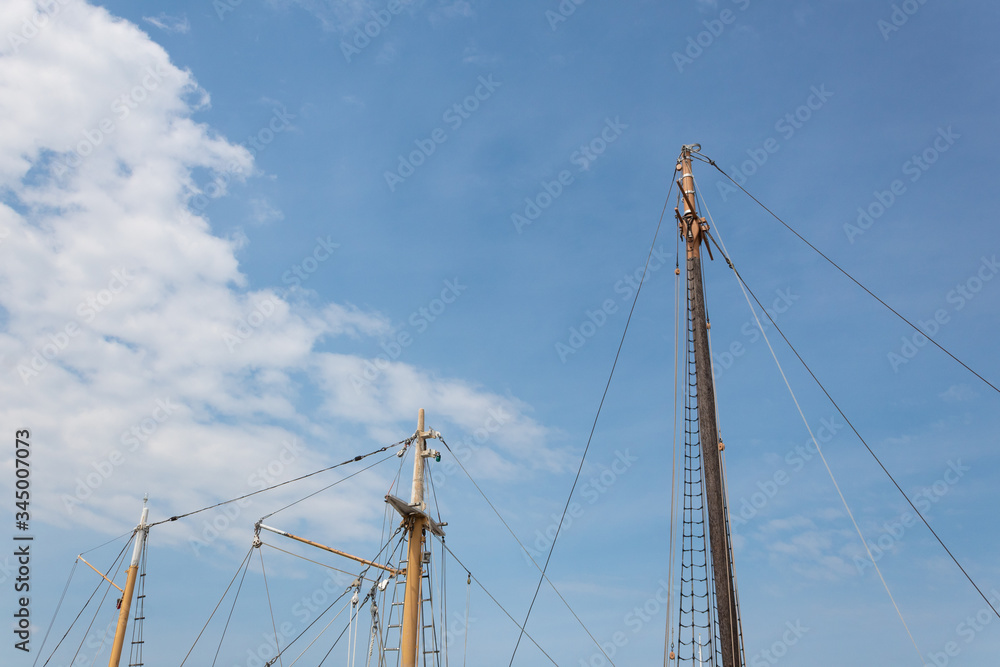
x: 132, y: 573
x: 412, y: 602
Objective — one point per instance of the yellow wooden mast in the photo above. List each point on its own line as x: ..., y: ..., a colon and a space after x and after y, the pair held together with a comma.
x: 412, y: 600
x: 140, y: 540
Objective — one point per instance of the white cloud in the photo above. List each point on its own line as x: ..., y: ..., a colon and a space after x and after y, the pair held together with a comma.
x: 335, y: 15
x: 131, y: 347
x: 958, y: 393
x: 263, y: 212
x: 169, y: 23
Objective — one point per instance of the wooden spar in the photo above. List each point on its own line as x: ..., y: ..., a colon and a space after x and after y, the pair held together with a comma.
x: 412, y: 599
x: 691, y: 228
x: 100, y: 573
x: 330, y: 549
x: 140, y: 540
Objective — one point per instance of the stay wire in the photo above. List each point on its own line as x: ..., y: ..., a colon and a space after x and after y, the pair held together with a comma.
x: 350, y: 620
x: 822, y: 456
x: 243, y: 563
x: 468, y: 607
x: 590, y: 438
x: 120, y: 561
x: 521, y: 544
x: 58, y: 606
x: 297, y: 479
x: 328, y: 486
x: 360, y: 576
x: 310, y: 560
x: 315, y: 620
x: 320, y: 634
x: 125, y: 534
x: 853, y: 279
x: 497, y: 603
x: 86, y: 604
x: 236, y: 597
x: 270, y: 607
x: 868, y: 447
x: 668, y: 632
x: 841, y: 412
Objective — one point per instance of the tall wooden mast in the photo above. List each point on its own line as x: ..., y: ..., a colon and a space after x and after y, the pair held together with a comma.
x: 692, y: 229
x: 412, y: 602
x: 140, y: 540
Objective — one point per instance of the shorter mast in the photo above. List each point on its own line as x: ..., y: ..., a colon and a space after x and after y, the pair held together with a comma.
x: 415, y: 514
x: 141, y: 531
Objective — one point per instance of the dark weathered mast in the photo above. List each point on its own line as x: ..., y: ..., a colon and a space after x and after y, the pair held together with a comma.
x: 692, y: 228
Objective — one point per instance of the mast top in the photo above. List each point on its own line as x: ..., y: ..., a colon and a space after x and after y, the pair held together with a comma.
x: 690, y: 225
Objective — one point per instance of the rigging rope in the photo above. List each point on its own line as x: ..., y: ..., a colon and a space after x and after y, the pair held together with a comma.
x: 360, y: 577
x: 320, y: 632
x: 130, y: 531
x: 104, y: 639
x: 851, y: 424
x: 586, y: 449
x: 668, y: 632
x: 500, y: 606
x: 468, y: 606
x: 245, y: 562
x: 270, y: 608
x: 297, y: 479
x: 521, y: 544
x: 328, y: 486
x: 853, y: 279
x: 54, y: 615
x: 103, y: 598
x: 819, y: 450
x: 310, y: 560
x: 316, y: 639
x: 80, y: 613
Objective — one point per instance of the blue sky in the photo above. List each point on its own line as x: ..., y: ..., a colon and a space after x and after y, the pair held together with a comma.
x: 216, y: 216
